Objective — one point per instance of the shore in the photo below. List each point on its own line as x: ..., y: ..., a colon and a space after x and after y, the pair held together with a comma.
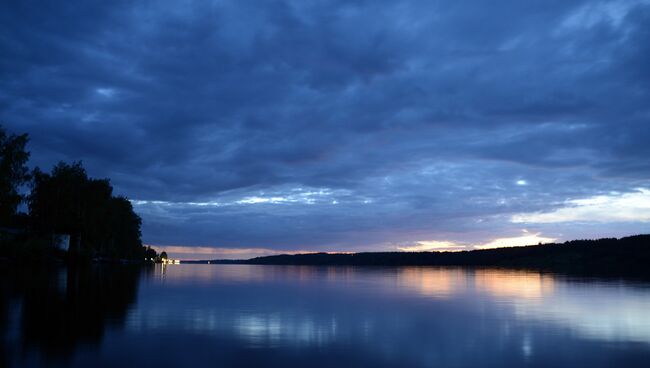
x: 628, y: 256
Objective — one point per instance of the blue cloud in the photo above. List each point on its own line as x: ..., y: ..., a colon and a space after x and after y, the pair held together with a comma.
x: 414, y: 120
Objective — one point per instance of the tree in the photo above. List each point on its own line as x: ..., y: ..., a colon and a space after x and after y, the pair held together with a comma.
x: 124, y: 226
x: 150, y: 253
x: 13, y: 173
x: 68, y: 201
x: 57, y: 200
x: 163, y: 255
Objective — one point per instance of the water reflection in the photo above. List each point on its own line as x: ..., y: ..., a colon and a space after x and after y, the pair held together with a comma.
x: 49, y: 311
x: 514, y: 284
x: 432, y: 282
x: 237, y: 315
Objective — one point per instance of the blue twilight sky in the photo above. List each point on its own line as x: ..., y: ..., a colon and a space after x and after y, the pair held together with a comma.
x: 241, y: 128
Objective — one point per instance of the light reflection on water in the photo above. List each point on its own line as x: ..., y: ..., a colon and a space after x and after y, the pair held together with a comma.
x: 241, y: 315
x: 610, y: 311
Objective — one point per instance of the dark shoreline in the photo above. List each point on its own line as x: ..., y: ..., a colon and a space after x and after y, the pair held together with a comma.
x: 628, y: 256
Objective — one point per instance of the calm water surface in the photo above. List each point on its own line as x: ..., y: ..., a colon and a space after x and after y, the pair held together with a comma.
x: 275, y: 316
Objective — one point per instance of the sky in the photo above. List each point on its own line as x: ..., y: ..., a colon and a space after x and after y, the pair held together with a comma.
x: 245, y: 128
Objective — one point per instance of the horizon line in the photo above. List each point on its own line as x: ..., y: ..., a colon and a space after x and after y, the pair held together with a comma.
x: 268, y: 252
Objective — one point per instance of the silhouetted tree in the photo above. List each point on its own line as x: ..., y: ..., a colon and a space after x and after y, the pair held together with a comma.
x: 13, y: 173
x: 68, y: 201
x: 57, y: 200
x: 150, y: 253
x: 124, y: 229
x: 163, y: 255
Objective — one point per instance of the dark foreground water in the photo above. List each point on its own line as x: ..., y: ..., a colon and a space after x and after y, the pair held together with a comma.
x: 268, y: 316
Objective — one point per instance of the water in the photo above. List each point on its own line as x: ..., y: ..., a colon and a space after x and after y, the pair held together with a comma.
x: 274, y: 316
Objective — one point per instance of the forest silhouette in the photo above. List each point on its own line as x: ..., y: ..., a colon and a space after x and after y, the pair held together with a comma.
x: 628, y: 256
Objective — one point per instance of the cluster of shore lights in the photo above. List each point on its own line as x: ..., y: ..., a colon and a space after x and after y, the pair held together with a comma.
x: 170, y: 261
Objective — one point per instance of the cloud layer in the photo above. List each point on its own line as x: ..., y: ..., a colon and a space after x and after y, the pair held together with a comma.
x: 339, y: 125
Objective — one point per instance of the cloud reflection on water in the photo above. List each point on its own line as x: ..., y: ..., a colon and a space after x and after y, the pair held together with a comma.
x: 298, y: 305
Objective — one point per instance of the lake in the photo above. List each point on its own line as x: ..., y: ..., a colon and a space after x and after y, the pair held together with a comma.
x: 294, y: 316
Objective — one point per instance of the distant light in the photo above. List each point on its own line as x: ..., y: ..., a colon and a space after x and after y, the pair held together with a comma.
x: 522, y: 182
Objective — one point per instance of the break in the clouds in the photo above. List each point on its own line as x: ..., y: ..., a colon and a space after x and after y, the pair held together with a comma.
x: 343, y: 125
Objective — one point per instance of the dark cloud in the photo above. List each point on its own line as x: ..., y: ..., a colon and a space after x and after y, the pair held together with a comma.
x: 335, y: 124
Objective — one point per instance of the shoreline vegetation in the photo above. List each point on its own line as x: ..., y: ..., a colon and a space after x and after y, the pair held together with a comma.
x: 70, y: 217
x: 628, y: 256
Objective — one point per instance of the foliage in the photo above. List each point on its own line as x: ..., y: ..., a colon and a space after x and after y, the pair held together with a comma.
x: 150, y: 253
x: 13, y: 173
x: 67, y: 201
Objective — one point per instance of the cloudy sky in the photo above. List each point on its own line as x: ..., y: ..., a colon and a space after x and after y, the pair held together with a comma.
x: 242, y: 128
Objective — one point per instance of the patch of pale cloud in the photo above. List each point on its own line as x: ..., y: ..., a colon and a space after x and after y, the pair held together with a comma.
x: 255, y: 200
x: 526, y: 238
x: 433, y: 245
x: 295, y: 196
x: 615, y: 207
x: 603, y: 11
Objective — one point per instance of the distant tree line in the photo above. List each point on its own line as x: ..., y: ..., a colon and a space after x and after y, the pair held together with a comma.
x: 628, y: 256
x: 64, y: 201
